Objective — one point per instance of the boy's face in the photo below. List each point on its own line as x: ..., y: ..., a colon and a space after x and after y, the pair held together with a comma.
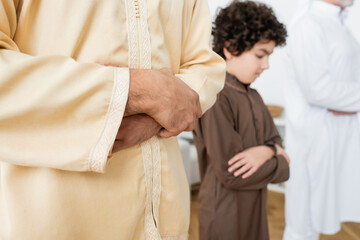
x: 250, y: 64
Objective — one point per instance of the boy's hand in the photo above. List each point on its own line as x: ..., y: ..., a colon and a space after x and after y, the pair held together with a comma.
x: 281, y: 151
x: 249, y: 160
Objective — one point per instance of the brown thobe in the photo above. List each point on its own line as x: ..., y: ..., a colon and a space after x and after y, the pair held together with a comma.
x: 231, y: 207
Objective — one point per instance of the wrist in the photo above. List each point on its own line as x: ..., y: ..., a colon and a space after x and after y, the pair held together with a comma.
x: 268, y: 152
x: 272, y: 147
x: 139, y: 99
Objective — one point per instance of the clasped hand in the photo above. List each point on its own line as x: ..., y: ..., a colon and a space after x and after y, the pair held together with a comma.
x: 247, y: 162
x: 160, y: 104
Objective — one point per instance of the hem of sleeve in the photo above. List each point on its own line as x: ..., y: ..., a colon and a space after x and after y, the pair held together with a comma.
x: 195, y: 85
x: 272, y: 147
x: 283, y: 170
x: 99, y: 154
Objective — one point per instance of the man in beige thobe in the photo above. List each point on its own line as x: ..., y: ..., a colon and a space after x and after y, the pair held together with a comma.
x: 72, y: 72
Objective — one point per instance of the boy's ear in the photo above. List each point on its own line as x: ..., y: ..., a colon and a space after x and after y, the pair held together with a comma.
x: 227, y: 54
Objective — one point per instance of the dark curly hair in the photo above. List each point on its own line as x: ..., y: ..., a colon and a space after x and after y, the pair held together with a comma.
x: 242, y: 24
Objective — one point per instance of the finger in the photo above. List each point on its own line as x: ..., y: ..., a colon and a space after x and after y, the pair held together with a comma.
x: 279, y: 149
x: 336, y: 113
x: 190, y: 127
x: 249, y: 173
x: 163, y: 133
x: 287, y: 158
x: 237, y: 165
x: 236, y: 158
x: 166, y: 134
x: 339, y: 113
x: 347, y: 113
x: 244, y: 168
x: 157, y: 129
x: 198, y: 112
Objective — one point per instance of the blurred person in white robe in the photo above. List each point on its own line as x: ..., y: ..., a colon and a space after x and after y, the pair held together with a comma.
x: 322, y: 93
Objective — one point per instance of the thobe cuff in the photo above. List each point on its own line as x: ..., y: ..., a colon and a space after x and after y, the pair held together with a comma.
x: 102, y: 150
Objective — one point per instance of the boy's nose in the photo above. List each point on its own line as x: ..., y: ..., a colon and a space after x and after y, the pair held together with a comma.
x: 265, y: 64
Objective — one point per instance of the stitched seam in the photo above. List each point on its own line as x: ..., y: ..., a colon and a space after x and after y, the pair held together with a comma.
x: 140, y: 57
x: 99, y: 154
x: 178, y: 237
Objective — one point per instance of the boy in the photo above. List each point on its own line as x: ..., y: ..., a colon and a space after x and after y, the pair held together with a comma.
x: 237, y: 142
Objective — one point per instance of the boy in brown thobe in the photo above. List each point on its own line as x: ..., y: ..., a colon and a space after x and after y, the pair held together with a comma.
x: 239, y: 147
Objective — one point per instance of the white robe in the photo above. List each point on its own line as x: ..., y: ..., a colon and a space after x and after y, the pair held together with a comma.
x: 323, y: 62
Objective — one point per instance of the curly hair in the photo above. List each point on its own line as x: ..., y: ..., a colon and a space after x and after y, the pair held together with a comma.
x: 242, y: 24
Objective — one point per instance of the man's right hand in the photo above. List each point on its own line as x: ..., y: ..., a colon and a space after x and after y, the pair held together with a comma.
x: 165, y: 98
x: 340, y: 113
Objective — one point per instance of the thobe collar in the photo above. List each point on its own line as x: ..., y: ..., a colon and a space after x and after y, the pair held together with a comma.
x: 326, y: 8
x: 234, y: 83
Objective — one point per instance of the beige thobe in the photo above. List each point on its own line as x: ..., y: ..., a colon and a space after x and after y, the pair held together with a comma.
x: 60, y: 111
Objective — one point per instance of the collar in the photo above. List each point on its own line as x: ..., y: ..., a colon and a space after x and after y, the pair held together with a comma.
x: 232, y: 82
x: 325, y: 8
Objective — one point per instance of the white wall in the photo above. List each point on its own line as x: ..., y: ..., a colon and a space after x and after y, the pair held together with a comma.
x: 270, y: 83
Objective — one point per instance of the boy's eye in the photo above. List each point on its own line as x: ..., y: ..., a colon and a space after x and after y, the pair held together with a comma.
x: 259, y: 56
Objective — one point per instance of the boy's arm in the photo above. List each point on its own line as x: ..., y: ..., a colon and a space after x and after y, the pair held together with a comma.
x: 250, y: 160
x: 223, y: 142
x: 272, y: 138
x: 271, y: 134
x: 274, y: 170
x: 261, y: 168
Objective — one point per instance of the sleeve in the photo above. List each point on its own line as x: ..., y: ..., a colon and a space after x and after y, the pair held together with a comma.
x: 200, y: 149
x: 272, y: 137
x: 223, y: 142
x: 309, y: 55
x: 271, y: 133
x: 54, y: 111
x: 201, y: 68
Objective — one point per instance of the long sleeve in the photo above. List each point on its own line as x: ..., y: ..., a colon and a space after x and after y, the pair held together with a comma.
x: 201, y: 68
x: 56, y: 112
x: 223, y: 142
x: 272, y: 137
x: 310, y: 59
x: 271, y: 134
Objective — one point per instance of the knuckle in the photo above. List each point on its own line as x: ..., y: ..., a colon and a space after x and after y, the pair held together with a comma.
x: 181, y: 127
x: 189, y: 120
x: 194, y: 95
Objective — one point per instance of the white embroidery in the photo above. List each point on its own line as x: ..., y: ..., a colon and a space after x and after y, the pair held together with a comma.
x: 140, y: 57
x: 183, y: 236
x: 99, y: 154
x: 132, y: 35
x: 149, y: 154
